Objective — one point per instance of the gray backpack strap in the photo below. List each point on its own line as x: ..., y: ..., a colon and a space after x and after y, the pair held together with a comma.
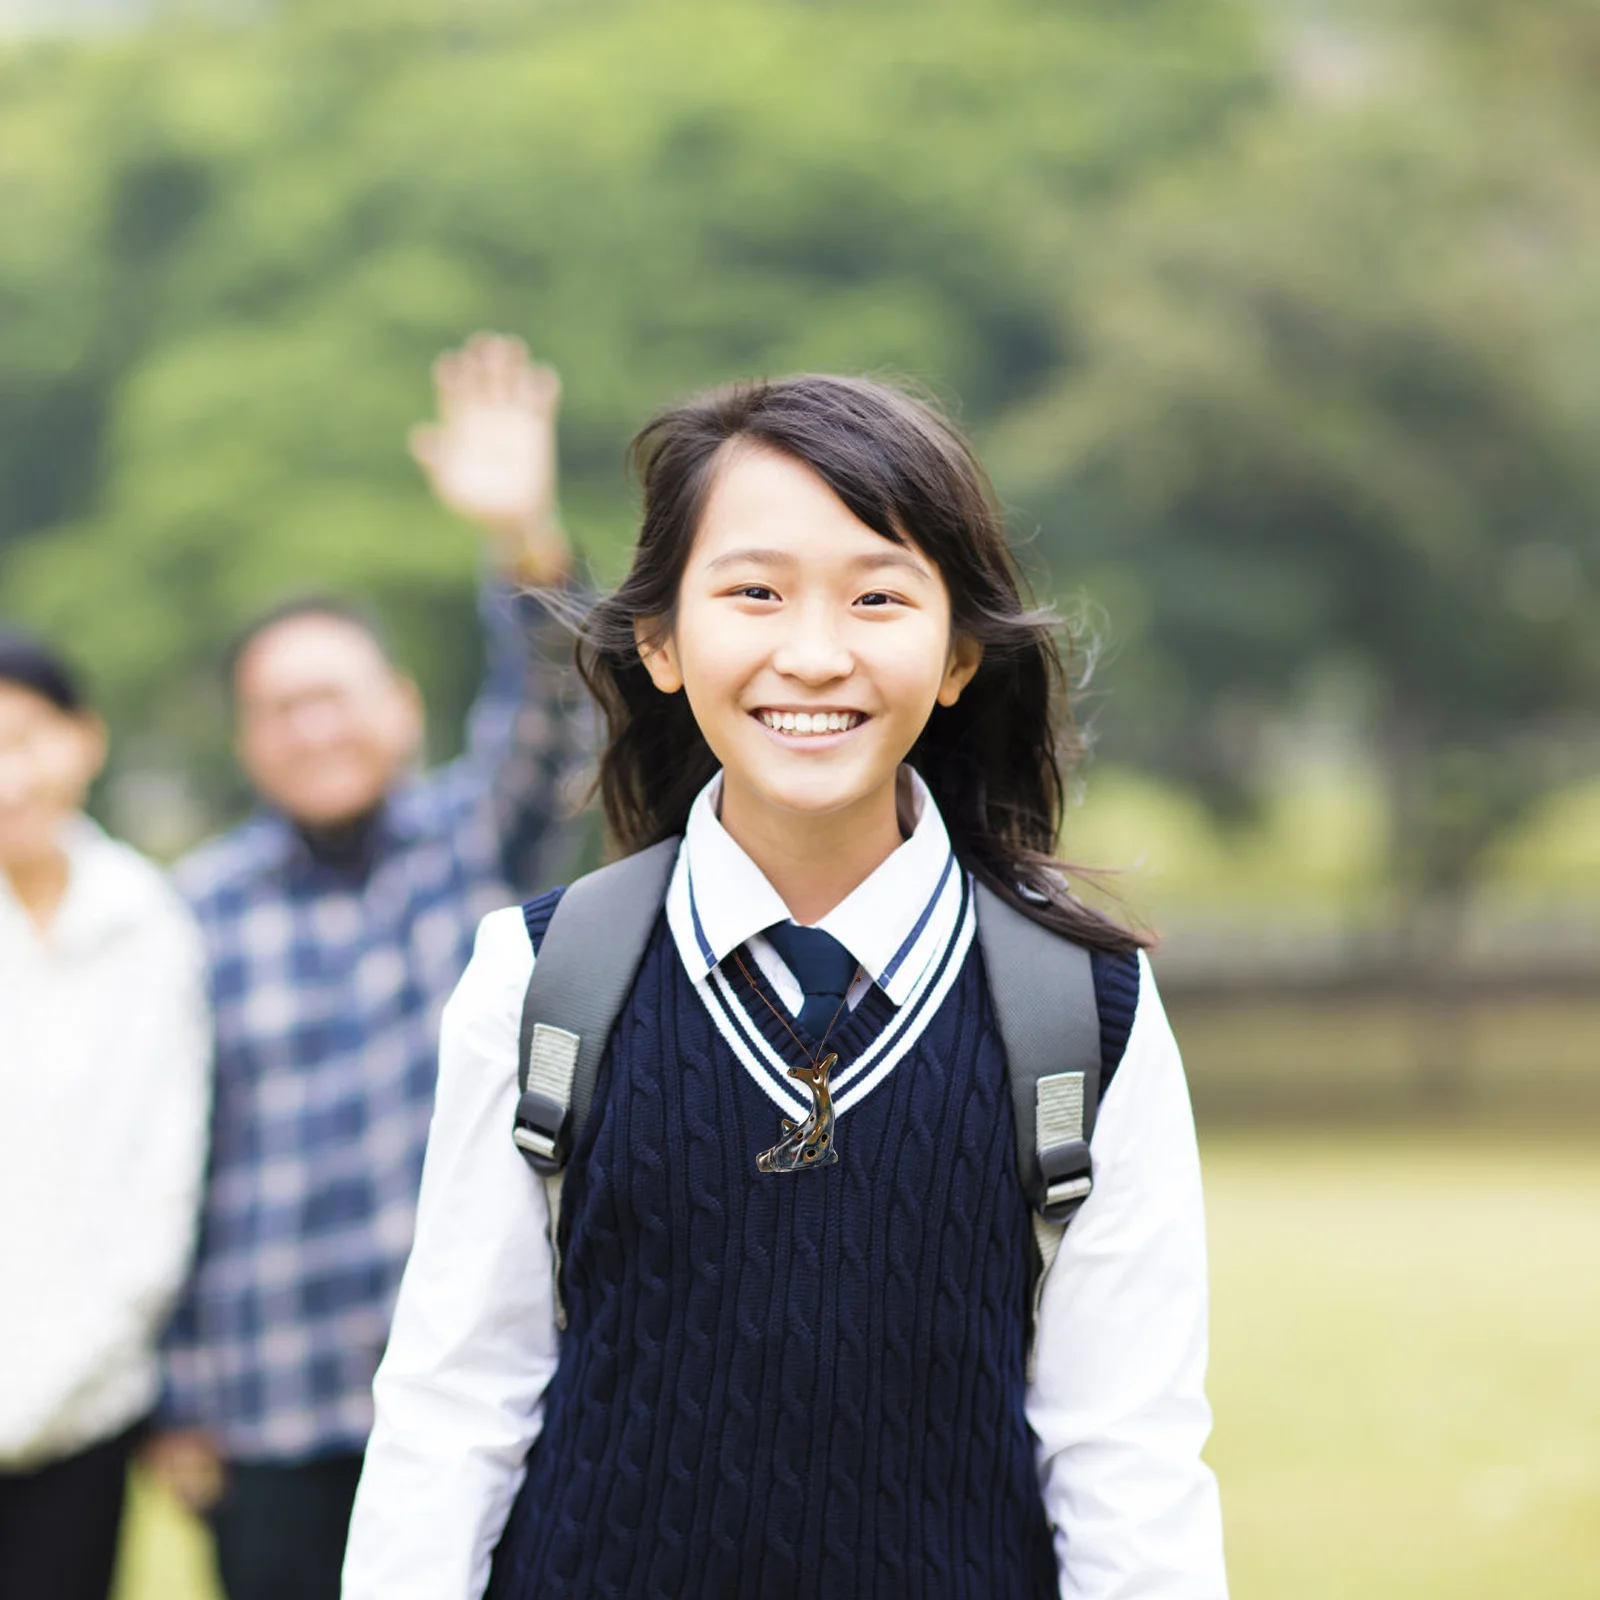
x: 585, y: 967
x: 586, y: 964
x: 1042, y: 986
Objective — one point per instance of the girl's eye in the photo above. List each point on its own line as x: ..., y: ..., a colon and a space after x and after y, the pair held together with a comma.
x: 876, y: 598
x: 755, y: 591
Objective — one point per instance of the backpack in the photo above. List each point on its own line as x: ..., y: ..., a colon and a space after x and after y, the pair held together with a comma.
x: 1041, y: 984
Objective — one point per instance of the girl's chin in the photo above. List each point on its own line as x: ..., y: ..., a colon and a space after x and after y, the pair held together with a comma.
x: 819, y: 795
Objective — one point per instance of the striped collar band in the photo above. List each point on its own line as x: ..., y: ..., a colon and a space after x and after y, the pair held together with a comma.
x: 894, y: 923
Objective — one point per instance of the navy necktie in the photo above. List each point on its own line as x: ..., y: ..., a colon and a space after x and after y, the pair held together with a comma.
x: 822, y: 967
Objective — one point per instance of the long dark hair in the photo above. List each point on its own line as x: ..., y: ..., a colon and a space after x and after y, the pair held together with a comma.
x: 993, y: 761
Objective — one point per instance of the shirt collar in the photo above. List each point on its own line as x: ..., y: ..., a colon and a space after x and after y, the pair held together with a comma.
x: 719, y: 897
x: 282, y: 847
x: 108, y: 890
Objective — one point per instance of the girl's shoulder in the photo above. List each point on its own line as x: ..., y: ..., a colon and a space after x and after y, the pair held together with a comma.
x: 612, y: 898
x: 1117, y: 982
x: 537, y: 912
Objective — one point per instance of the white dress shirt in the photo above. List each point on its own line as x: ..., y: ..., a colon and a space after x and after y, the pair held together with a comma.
x: 105, y: 1056
x: 1118, y: 1401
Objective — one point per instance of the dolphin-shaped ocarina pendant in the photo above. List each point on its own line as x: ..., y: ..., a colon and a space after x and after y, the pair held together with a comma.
x: 809, y: 1143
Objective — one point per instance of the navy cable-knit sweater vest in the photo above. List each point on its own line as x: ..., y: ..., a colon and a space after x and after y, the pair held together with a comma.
x: 805, y: 1384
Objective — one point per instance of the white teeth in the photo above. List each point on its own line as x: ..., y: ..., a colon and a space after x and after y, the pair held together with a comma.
x: 810, y: 722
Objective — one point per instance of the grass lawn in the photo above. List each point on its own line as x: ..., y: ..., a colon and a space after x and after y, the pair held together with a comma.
x: 1404, y: 1368
x: 1404, y: 1372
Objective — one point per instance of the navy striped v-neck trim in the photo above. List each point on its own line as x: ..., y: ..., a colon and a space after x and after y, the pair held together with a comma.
x: 869, y: 1043
x: 765, y: 1011
x: 883, y: 978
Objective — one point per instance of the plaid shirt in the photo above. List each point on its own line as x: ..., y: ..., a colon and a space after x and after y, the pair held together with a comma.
x: 327, y: 984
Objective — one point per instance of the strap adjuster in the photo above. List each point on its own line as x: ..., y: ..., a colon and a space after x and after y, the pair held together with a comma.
x: 1068, y: 1172
x: 541, y: 1132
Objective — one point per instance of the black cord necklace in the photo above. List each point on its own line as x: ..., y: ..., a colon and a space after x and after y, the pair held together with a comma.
x: 809, y: 1143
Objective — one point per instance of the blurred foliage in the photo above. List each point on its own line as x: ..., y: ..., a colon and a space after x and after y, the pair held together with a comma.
x: 1331, y: 432
x: 232, y: 253
x: 1281, y: 335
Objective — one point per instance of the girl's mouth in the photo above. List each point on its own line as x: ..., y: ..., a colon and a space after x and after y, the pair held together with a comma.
x: 809, y: 724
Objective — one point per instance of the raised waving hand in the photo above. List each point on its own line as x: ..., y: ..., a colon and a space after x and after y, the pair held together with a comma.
x: 490, y: 455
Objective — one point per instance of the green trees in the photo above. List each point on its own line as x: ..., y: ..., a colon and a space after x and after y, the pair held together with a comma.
x: 250, y: 242
x: 1283, y: 339
x: 1326, y: 424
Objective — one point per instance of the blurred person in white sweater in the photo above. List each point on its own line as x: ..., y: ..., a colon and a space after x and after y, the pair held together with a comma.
x: 104, y: 1084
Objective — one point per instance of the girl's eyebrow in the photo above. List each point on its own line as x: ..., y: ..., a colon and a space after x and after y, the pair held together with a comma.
x: 763, y: 558
x: 892, y: 557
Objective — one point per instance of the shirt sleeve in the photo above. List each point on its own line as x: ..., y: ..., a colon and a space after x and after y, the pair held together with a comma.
x: 474, y: 1343
x: 1118, y: 1401
x: 529, y: 742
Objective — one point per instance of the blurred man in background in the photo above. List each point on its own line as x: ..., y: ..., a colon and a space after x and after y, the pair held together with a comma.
x: 105, y: 1058
x: 337, y: 921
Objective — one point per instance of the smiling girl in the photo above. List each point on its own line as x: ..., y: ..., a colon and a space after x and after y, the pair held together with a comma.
x: 820, y: 673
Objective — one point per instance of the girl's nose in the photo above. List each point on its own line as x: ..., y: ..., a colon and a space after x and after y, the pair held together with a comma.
x: 812, y: 651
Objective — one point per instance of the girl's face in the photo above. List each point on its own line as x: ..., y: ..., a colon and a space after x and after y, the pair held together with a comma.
x: 812, y: 650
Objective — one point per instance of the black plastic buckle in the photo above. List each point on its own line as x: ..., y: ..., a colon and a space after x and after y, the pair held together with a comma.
x: 1068, y: 1173
x: 540, y: 1132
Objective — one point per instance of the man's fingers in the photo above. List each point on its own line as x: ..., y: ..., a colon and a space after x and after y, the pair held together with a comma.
x: 541, y: 386
x: 450, y: 378
x: 491, y: 369
x: 187, y: 1464
x: 491, y: 364
x: 488, y: 365
x: 496, y: 347
x: 510, y: 365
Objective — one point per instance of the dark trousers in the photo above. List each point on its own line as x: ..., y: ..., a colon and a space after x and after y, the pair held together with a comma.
x: 58, y: 1525
x: 280, y: 1530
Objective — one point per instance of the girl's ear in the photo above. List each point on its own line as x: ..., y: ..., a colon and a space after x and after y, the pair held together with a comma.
x: 657, y: 653
x: 965, y: 656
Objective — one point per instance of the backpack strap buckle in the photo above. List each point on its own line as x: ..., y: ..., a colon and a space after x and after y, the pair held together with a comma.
x: 1068, y: 1178
x: 540, y: 1132
x: 544, y: 1113
x: 1064, y: 1160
